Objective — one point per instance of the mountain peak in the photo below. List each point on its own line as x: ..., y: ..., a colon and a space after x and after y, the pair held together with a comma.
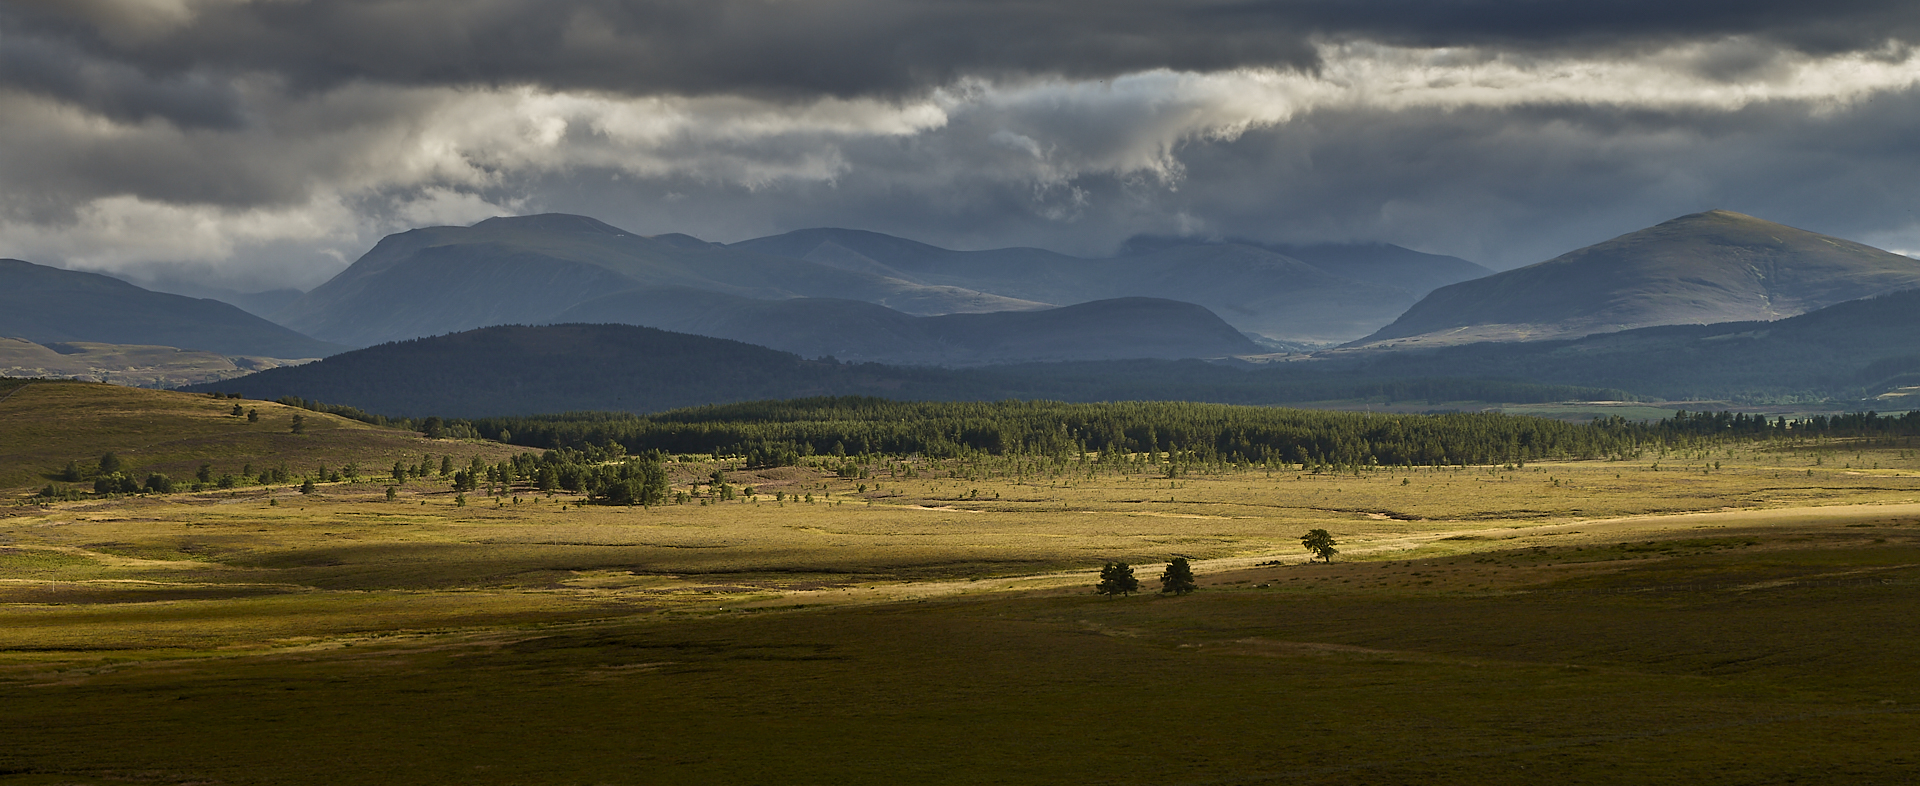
x: 552, y: 222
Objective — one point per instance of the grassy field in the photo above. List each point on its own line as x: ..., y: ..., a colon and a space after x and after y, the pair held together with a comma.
x: 44, y: 425
x: 1717, y: 616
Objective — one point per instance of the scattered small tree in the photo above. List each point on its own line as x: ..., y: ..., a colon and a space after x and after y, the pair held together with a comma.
x: 253, y: 415
x: 307, y: 487
x: 1321, y: 543
x: 392, y: 494
x: 1178, y: 577
x: 110, y: 463
x: 159, y: 484
x: 1116, y: 578
x: 299, y: 424
x: 238, y: 411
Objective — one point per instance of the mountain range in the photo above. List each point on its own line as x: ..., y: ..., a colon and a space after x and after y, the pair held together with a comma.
x: 533, y: 269
x: 1712, y: 304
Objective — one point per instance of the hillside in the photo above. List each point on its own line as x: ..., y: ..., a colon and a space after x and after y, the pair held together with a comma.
x: 1326, y: 293
x: 857, y: 331
x: 530, y: 268
x: 45, y: 425
x: 123, y: 364
x: 48, y: 305
x: 1848, y: 351
x: 1703, y: 268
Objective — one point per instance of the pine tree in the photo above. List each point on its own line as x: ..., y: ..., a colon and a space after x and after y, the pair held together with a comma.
x: 1321, y: 543
x: 1178, y: 577
x: 1117, y: 579
x: 307, y: 487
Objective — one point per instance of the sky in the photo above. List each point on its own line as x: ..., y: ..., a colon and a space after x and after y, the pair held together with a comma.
x: 254, y: 144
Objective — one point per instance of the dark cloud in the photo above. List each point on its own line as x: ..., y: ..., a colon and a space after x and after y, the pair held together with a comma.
x: 112, y: 89
x: 1500, y: 187
x: 276, y: 140
x: 886, y: 47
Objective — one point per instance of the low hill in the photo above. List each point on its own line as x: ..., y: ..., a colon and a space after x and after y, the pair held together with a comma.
x: 1849, y: 351
x: 124, y: 364
x: 858, y: 331
x: 1704, y: 268
x: 47, y: 305
x: 531, y: 268
x: 44, y: 425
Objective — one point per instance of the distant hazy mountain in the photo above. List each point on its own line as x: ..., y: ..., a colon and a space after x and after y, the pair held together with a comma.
x: 48, y: 305
x: 527, y: 269
x: 260, y: 304
x: 1326, y: 293
x: 1847, y: 351
x: 1703, y: 268
x: 858, y: 331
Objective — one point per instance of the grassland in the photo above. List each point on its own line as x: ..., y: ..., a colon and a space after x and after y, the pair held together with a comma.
x: 44, y: 425
x: 1733, y: 615
x: 125, y: 364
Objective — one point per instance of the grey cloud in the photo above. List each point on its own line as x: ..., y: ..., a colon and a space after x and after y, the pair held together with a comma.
x: 882, y: 47
x: 112, y: 89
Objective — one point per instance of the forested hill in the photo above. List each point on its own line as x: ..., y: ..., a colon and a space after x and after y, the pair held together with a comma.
x: 517, y: 370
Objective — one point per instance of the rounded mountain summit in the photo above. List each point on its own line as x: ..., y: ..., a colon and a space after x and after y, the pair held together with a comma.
x: 1703, y: 268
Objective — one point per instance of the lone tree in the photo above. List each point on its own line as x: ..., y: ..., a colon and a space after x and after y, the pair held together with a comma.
x: 1320, y: 542
x: 1117, y: 579
x: 1178, y: 577
x: 299, y: 424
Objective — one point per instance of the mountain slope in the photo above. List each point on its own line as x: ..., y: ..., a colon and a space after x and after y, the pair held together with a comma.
x: 1711, y: 267
x: 48, y: 305
x: 855, y: 330
x: 528, y: 268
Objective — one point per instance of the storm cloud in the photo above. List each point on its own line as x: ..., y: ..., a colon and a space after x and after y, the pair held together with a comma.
x: 260, y: 143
